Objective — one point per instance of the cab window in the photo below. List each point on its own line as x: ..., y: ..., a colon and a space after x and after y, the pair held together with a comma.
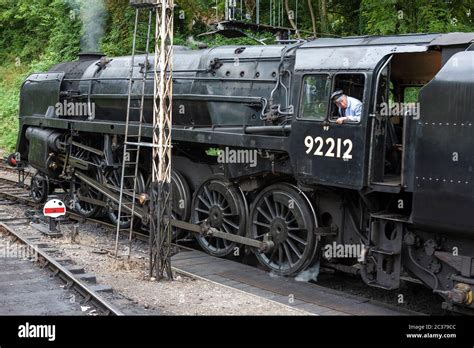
x: 315, y: 97
x: 353, y: 85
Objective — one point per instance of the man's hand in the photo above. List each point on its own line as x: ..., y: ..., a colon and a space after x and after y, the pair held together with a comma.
x: 341, y: 120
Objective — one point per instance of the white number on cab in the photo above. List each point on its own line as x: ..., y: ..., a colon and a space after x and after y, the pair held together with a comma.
x: 335, y: 148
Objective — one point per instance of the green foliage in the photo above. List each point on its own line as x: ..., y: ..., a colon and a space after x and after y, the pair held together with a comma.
x: 118, y: 35
x: 35, y: 34
x: 415, y: 16
x: 12, y: 78
x: 379, y: 16
x: 213, y: 152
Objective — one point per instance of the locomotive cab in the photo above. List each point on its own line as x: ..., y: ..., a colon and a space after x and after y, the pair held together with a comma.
x: 387, y: 77
x: 356, y: 151
x: 395, y: 113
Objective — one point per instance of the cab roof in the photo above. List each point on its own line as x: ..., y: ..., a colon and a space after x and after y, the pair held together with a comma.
x: 393, y: 40
x: 366, y: 52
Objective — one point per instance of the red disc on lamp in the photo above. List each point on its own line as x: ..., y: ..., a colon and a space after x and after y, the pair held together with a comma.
x: 54, y: 208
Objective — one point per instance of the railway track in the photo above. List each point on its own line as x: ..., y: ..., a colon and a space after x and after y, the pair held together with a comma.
x: 11, y: 192
x: 199, y: 265
x: 69, y: 275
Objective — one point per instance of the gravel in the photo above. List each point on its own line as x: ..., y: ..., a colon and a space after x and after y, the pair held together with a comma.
x: 129, y: 277
x: 134, y: 291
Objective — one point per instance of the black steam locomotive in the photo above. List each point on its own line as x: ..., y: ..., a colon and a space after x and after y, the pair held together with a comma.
x: 257, y: 151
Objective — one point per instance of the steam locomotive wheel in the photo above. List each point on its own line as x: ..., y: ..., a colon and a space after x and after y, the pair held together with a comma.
x: 80, y: 189
x: 39, y: 188
x: 181, y: 200
x: 284, y: 214
x: 222, y: 205
x: 112, y: 179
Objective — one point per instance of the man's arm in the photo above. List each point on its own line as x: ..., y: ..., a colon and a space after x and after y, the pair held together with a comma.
x: 356, y: 113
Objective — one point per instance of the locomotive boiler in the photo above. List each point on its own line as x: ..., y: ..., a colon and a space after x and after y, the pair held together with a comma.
x: 394, y: 191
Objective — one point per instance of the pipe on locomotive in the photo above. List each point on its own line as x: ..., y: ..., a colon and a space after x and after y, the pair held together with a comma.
x: 279, y: 79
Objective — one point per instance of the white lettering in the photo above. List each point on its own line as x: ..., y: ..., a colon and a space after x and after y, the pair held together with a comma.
x: 37, y: 331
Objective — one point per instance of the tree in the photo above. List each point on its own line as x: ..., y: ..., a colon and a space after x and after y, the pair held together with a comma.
x: 323, y: 7
x: 313, y: 18
x: 250, y: 6
x: 291, y: 19
x: 415, y: 16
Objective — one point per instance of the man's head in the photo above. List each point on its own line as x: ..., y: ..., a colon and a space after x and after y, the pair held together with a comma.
x: 340, y: 99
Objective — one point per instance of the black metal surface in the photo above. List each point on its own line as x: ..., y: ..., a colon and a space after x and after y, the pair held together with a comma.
x: 40, y: 92
x: 219, y: 204
x: 203, y: 135
x: 318, y: 167
x: 161, y: 230
x: 444, y: 178
x: 283, y: 214
x: 39, y: 188
x: 181, y: 201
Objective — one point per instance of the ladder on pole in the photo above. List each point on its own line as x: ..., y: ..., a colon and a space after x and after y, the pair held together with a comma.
x: 160, y: 208
x: 160, y: 191
x: 129, y: 182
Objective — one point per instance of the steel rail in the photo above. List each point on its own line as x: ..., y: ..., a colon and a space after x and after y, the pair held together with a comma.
x: 72, y: 282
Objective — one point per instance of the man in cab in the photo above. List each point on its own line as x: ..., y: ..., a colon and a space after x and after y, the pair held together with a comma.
x: 350, y: 109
